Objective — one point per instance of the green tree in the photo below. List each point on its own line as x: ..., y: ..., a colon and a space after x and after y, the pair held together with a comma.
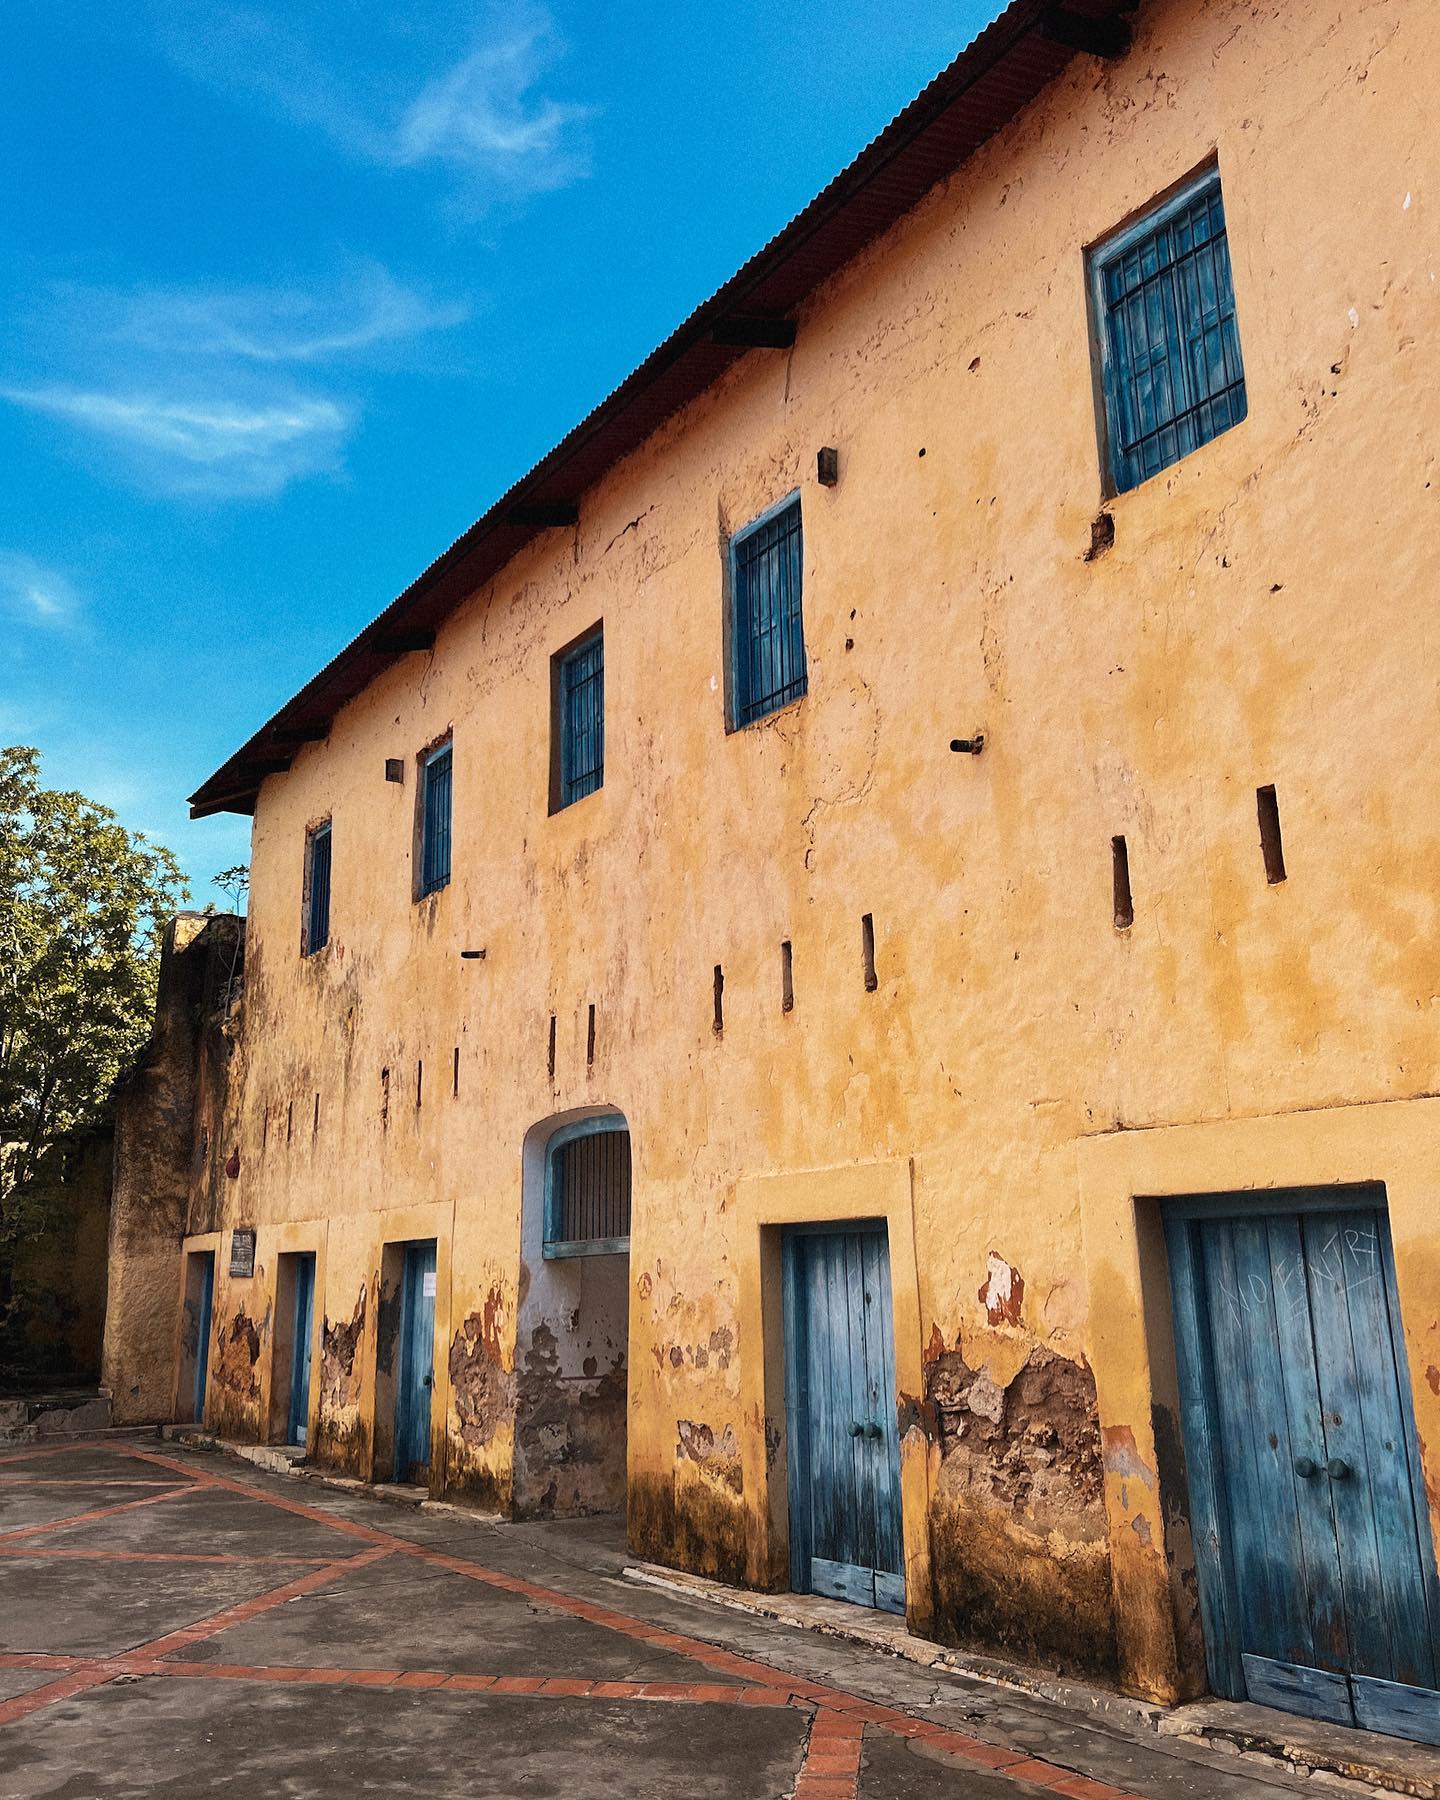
x: 83, y: 905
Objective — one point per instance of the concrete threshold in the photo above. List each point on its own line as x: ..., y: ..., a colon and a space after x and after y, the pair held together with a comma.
x: 1259, y: 1734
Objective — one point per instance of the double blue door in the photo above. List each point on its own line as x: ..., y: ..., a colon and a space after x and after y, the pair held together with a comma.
x: 1317, y: 1573
x: 417, y: 1364
x: 844, y: 1446
x: 298, y: 1428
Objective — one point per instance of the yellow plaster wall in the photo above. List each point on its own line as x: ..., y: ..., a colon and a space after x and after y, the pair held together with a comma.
x: 1265, y: 615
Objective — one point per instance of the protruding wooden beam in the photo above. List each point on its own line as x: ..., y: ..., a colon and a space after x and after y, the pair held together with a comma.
x: 1108, y: 38
x: 302, y: 734
x: 545, y: 514
x: 754, y: 334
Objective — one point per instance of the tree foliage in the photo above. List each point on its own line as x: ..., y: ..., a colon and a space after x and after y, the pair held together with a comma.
x: 83, y: 905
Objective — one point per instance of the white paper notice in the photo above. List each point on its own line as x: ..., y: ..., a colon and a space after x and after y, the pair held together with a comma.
x: 428, y: 1286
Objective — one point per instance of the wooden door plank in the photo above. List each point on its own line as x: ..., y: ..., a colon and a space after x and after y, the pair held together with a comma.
x: 1204, y: 1459
x: 1429, y: 1566
x: 1264, y: 1529
x: 1365, y: 1427
x: 1318, y: 1573
x: 851, y: 1331
x: 1403, y: 1711
x: 1348, y: 1385
x: 880, y: 1368
x: 1313, y: 1693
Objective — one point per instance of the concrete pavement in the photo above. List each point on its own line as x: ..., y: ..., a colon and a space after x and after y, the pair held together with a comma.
x: 170, y: 1626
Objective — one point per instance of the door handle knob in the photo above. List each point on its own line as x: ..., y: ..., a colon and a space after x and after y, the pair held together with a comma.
x: 427, y: 1381
x: 1306, y: 1467
x: 856, y: 1428
x: 1338, y: 1469
x: 874, y: 1429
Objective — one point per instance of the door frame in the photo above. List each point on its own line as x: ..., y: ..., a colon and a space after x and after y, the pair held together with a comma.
x: 1124, y: 1176
x: 828, y: 1199
x: 1220, y: 1608
x: 186, y: 1363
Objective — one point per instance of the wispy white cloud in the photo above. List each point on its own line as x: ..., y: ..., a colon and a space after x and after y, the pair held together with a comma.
x: 483, y: 114
x: 219, y: 391
x: 33, y: 594
x: 270, y: 325
x: 205, y: 444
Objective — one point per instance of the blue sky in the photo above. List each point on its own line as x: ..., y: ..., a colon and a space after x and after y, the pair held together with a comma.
x: 293, y: 291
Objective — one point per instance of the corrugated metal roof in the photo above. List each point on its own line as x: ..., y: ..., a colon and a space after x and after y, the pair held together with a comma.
x: 997, y: 75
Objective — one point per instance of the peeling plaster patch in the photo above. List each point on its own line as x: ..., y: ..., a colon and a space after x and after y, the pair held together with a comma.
x: 483, y: 1391
x: 1003, y: 1291
x: 1432, y: 1376
x: 1140, y: 1525
x: 719, y: 1457
x: 1122, y: 1458
x: 339, y: 1378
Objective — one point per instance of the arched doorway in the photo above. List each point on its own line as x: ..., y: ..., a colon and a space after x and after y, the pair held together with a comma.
x: 571, y: 1363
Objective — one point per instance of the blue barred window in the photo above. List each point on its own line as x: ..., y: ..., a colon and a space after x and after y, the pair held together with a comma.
x: 581, y: 676
x: 435, y: 820
x: 317, y: 889
x: 1170, y: 346
x: 767, y: 632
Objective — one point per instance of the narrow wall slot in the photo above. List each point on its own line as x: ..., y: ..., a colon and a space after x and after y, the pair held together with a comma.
x: 264, y: 1127
x: 384, y: 1099
x: 455, y: 1072
x: 1120, y: 876
x: 419, y: 1084
x: 867, y: 952
x: 719, y: 1024
x: 315, y: 1123
x: 590, y: 1038
x: 787, y: 978
x: 1271, y: 844
x: 550, y: 1053
x: 289, y: 1120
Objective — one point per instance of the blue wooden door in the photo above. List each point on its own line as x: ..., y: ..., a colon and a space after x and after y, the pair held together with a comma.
x: 417, y: 1364
x: 206, y: 1305
x: 844, y: 1445
x: 300, y: 1352
x: 1318, y: 1576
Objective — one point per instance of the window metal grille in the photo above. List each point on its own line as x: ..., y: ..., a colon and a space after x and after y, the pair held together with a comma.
x: 1170, y: 343
x: 587, y: 1200
x: 435, y: 822
x: 317, y: 910
x: 582, y: 720
x: 768, y: 633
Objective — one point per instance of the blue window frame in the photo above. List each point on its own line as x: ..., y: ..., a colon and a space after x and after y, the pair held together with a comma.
x: 317, y: 889
x: 767, y: 631
x: 435, y: 787
x: 580, y: 708
x: 587, y: 1188
x: 1169, y: 343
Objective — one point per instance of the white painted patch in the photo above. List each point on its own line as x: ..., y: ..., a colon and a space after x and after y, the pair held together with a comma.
x: 999, y: 1280
x: 714, y: 683
x: 427, y: 1286
x: 1406, y: 206
x: 1354, y: 318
